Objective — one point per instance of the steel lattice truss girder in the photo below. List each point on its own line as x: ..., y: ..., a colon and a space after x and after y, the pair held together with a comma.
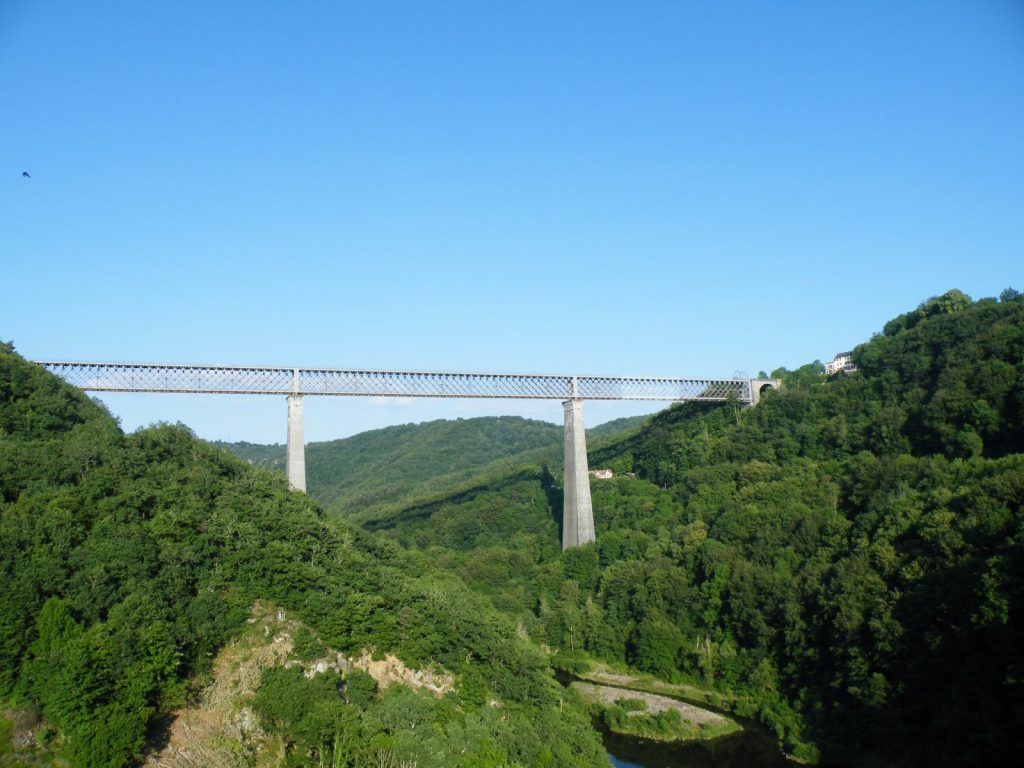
x: 232, y: 380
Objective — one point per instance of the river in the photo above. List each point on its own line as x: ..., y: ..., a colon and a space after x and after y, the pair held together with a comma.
x: 754, y: 747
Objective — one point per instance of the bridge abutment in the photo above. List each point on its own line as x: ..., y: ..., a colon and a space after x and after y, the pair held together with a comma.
x: 577, y: 509
x: 758, y: 386
x: 295, y: 456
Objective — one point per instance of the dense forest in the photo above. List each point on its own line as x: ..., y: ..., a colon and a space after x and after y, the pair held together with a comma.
x: 845, y: 561
x: 128, y: 561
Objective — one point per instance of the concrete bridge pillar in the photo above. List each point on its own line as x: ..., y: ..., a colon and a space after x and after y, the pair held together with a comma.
x: 577, y: 509
x: 295, y: 458
x: 295, y: 455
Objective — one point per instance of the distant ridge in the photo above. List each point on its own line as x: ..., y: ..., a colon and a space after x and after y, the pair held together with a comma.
x: 382, y: 467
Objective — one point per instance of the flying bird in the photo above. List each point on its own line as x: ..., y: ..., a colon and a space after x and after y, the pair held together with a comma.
x: 24, y: 175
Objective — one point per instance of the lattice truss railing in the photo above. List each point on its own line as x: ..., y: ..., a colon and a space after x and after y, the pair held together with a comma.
x: 230, y: 380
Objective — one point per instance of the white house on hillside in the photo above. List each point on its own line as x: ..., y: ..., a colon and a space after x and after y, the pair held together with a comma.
x: 842, y: 363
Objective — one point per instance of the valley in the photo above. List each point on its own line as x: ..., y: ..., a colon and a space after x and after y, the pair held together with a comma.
x: 841, y: 566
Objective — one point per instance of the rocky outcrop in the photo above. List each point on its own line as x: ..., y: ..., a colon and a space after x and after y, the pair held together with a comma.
x: 224, y: 732
x: 390, y: 669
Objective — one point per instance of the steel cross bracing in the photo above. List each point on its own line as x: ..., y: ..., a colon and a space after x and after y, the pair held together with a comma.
x: 236, y: 380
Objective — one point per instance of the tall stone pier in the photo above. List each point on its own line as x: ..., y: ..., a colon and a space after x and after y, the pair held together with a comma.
x: 577, y: 510
x: 295, y: 456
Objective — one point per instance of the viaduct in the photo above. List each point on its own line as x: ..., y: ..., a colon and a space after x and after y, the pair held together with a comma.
x: 296, y: 383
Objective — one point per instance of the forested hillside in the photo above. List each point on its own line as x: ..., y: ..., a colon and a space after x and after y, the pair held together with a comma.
x: 128, y: 561
x: 845, y: 561
x: 378, y: 468
x: 360, y: 477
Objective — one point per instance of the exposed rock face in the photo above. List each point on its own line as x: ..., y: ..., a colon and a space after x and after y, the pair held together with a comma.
x: 391, y: 669
x: 224, y: 732
x: 386, y: 671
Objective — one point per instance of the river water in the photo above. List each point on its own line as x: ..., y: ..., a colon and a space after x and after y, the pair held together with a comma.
x: 753, y: 747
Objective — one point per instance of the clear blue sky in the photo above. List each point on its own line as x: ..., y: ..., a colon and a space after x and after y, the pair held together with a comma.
x: 677, y: 188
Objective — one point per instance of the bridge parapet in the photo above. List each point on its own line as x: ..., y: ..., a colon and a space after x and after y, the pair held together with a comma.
x: 253, y: 380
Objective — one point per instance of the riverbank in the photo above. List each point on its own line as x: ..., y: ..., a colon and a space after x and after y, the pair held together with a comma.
x: 602, y: 674
x: 767, y: 712
x: 648, y: 715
